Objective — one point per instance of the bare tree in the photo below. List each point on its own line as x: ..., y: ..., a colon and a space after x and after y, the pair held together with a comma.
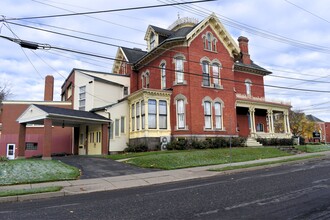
x: 4, y: 91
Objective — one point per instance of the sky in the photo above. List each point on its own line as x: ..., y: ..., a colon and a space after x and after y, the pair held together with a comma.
x: 290, y: 38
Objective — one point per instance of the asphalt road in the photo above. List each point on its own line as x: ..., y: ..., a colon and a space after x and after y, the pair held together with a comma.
x: 296, y: 191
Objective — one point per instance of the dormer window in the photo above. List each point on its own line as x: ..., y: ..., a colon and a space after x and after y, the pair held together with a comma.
x: 152, y: 41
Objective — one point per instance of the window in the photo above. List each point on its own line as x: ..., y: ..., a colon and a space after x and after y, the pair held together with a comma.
x: 179, y: 70
x: 260, y: 127
x: 145, y: 80
x: 31, y: 146
x: 218, y: 115
x: 111, y: 131
x: 69, y: 91
x: 248, y: 87
x: 216, y: 75
x: 152, y: 40
x: 81, y: 139
x: 143, y: 114
x: 152, y: 113
x: 98, y: 137
x: 209, y: 41
x: 125, y: 90
x: 162, y: 114
x: 163, y: 75
x: 207, y: 115
x: 180, y: 114
x: 91, y: 137
x: 133, y: 117
x: 137, y: 105
x: 82, y: 98
x: 206, y: 73
x: 117, y: 127
x: 122, y: 124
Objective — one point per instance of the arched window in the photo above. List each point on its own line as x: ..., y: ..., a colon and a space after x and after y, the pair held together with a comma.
x: 179, y: 70
x: 145, y: 79
x: 218, y: 115
x: 206, y: 73
x: 152, y: 40
x: 209, y: 41
x: 207, y: 115
x: 180, y: 114
x: 248, y: 84
x: 163, y: 75
x: 216, y: 74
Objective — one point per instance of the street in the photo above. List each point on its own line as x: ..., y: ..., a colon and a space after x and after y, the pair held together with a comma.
x: 294, y: 191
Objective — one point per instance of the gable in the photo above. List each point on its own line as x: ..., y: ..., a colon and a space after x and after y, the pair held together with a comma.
x: 120, y: 58
x: 32, y: 113
x: 220, y: 32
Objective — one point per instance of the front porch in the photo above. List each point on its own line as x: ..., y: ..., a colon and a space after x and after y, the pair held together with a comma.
x: 262, y: 119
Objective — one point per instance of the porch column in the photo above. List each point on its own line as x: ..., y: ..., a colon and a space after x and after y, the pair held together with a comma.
x: 47, y: 148
x: 21, y: 141
x: 270, y: 119
x: 252, y: 120
x: 287, y: 123
x: 105, y: 138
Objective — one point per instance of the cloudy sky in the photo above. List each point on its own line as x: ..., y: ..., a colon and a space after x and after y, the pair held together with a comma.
x: 291, y: 38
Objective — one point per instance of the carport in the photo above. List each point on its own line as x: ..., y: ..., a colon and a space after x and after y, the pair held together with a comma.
x: 50, y: 116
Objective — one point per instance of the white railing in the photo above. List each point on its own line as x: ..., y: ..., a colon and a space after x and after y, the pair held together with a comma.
x: 262, y: 99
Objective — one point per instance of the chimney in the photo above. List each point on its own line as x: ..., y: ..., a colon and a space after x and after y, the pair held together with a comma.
x: 244, y: 47
x: 49, y: 88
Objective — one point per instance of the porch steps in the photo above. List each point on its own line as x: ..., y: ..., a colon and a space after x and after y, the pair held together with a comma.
x: 251, y: 142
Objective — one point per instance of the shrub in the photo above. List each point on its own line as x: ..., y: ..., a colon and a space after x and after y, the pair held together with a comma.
x: 140, y: 147
x: 3, y: 159
x: 179, y: 144
x: 275, y: 141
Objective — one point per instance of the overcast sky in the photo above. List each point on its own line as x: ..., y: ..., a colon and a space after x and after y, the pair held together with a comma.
x: 291, y: 38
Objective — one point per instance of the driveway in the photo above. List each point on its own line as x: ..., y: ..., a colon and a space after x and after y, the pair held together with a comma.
x: 95, y: 167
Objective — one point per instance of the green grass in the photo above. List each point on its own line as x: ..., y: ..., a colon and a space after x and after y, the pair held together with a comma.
x: 313, y: 148
x: 263, y: 163
x: 121, y: 156
x: 35, y: 171
x: 30, y: 191
x: 194, y: 158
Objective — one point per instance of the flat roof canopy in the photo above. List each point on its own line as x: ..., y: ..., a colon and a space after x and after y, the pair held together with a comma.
x: 35, y: 114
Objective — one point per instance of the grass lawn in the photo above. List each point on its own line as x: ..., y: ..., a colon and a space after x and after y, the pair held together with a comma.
x: 35, y: 171
x: 313, y: 148
x: 30, y: 191
x: 168, y: 160
x: 264, y: 163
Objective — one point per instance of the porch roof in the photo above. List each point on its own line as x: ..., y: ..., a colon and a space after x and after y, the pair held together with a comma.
x: 260, y: 103
x: 35, y: 114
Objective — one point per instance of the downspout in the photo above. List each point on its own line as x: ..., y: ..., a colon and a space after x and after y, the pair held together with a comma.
x: 109, y: 129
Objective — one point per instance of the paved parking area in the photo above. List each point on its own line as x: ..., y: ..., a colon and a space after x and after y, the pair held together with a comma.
x: 95, y: 167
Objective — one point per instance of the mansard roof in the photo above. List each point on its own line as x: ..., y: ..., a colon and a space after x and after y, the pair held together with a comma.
x: 251, y: 68
x: 134, y: 54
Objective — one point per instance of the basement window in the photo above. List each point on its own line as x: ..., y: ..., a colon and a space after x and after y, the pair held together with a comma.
x: 31, y: 146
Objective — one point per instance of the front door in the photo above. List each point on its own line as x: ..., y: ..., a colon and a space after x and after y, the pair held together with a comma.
x: 94, y: 141
x: 11, y: 151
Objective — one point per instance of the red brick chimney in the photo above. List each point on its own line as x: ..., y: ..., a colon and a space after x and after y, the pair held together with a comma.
x: 244, y: 47
x: 49, y: 88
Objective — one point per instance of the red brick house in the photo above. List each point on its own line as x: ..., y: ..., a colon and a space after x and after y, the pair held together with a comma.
x: 196, y: 81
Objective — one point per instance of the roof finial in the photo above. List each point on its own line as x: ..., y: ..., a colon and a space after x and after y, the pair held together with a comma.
x: 178, y: 15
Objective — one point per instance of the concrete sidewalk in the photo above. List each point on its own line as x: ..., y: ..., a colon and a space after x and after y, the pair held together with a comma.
x: 73, y: 187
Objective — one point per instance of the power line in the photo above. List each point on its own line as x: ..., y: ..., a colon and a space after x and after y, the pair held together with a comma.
x: 309, y: 12
x: 108, y: 11
x: 32, y: 45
